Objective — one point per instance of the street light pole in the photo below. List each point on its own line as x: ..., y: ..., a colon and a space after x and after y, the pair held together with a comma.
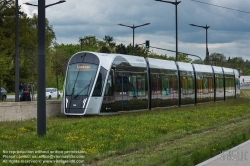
x: 17, y: 99
x: 133, y: 27
x: 205, y: 27
x: 41, y: 67
x: 41, y: 73
x: 207, y: 54
x: 176, y: 24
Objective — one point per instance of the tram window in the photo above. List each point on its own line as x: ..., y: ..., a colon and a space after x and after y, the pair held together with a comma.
x: 205, y: 85
x: 80, y: 78
x: 199, y: 85
x: 190, y: 85
x: 187, y: 85
x: 229, y: 83
x: 119, y: 83
x: 219, y: 84
x: 121, y: 80
x: 137, y: 85
x: 184, y: 85
x: 173, y: 84
x: 132, y: 85
x: 141, y: 85
x: 210, y: 85
x: 156, y: 81
x: 100, y: 82
x: 109, y: 90
x: 165, y: 85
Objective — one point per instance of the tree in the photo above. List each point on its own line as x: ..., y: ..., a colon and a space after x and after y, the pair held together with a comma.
x: 183, y: 58
x: 104, y: 49
x: 7, y: 53
x: 107, y: 45
x: 141, y: 51
x: 197, y: 61
x: 69, y: 49
x: 59, y: 59
x: 27, y: 44
x: 236, y: 63
x: 109, y: 40
x: 121, y: 49
x: 246, y: 68
x: 217, y: 59
x: 89, y: 43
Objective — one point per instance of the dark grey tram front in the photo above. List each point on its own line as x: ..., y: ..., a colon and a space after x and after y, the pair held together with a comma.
x: 80, y: 78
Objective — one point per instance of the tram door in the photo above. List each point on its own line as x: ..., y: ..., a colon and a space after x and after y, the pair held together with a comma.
x: 122, y: 91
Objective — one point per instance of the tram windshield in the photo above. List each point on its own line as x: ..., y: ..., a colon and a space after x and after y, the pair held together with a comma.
x: 80, y: 78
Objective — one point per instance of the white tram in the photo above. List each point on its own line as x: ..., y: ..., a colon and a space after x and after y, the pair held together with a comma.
x: 99, y: 83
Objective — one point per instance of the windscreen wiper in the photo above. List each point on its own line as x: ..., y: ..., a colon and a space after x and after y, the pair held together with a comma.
x: 73, y: 89
x: 87, y: 86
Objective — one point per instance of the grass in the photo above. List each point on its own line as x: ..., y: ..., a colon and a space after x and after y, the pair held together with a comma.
x: 211, y: 150
x: 245, y: 93
x: 156, y: 137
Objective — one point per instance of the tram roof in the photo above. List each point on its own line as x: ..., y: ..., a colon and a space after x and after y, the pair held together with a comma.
x: 228, y: 71
x: 203, y: 68
x: 217, y: 69
x: 135, y: 61
x: 185, y: 66
x: 161, y: 64
x: 236, y: 72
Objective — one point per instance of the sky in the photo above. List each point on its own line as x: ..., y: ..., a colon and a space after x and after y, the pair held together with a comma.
x: 228, y: 34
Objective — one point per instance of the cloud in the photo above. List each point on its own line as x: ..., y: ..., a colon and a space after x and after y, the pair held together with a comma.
x: 228, y: 32
x: 26, y: 8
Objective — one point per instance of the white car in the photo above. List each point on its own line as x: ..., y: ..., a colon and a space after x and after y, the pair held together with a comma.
x: 52, y: 93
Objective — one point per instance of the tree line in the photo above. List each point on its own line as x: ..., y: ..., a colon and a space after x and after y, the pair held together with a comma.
x: 57, y: 55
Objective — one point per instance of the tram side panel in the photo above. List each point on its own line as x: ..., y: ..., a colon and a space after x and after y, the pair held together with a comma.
x: 127, y: 86
x: 204, y: 83
x: 230, y: 86
x: 205, y: 87
x: 229, y: 77
x: 219, y: 87
x: 219, y: 83
x: 187, y: 83
x: 164, y: 84
x: 163, y: 80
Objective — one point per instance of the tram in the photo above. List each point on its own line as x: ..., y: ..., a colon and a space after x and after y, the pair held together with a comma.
x: 99, y: 83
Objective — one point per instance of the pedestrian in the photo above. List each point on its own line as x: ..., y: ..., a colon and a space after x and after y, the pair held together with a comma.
x: 20, y: 89
x: 25, y: 86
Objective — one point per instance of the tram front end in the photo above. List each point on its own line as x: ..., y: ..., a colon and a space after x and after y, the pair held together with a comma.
x: 82, y: 89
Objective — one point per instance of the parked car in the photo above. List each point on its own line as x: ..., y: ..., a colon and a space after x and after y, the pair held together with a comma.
x: 52, y: 93
x: 3, y: 94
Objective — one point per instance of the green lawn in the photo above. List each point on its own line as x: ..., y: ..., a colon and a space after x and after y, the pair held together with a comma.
x: 156, y: 137
x: 245, y: 93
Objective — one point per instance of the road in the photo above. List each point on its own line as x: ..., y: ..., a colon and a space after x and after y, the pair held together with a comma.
x: 12, y: 97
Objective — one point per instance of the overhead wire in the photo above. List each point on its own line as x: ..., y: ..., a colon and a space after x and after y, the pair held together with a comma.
x: 221, y: 6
